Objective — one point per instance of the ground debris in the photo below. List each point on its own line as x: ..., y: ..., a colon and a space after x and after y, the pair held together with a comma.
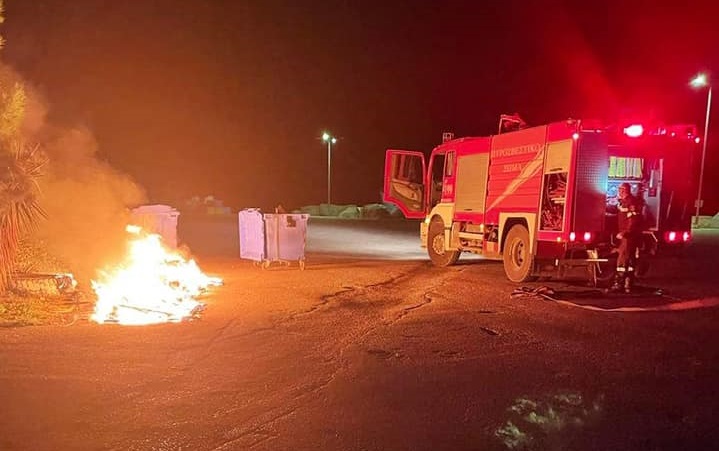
x: 45, y: 283
x: 540, y: 293
x: 488, y: 330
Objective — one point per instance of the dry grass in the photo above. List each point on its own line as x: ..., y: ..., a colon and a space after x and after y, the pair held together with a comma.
x: 23, y: 308
x: 38, y: 301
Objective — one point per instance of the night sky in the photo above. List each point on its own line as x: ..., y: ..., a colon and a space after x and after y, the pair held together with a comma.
x: 229, y: 98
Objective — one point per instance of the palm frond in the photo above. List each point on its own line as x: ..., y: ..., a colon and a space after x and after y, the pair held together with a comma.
x: 20, y: 211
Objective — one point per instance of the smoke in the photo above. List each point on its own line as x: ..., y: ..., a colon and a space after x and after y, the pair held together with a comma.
x: 86, y: 200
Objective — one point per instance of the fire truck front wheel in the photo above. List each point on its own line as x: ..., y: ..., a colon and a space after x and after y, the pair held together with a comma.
x: 517, y: 256
x: 436, y: 246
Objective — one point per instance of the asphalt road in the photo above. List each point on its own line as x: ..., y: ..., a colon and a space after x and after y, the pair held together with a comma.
x: 371, y: 348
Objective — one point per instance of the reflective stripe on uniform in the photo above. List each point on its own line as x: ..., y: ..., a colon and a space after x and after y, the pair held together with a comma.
x: 630, y: 269
x: 621, y: 269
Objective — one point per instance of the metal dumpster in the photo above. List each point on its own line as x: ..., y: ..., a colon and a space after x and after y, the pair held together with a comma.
x: 273, y: 237
x: 159, y: 219
x: 252, y: 235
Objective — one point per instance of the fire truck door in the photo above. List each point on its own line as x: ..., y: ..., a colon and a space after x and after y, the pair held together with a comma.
x: 404, y: 182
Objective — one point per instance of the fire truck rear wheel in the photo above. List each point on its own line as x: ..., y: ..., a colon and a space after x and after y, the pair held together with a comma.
x: 517, y: 256
x: 435, y: 245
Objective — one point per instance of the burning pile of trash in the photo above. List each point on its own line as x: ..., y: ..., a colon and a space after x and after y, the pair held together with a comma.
x: 154, y: 284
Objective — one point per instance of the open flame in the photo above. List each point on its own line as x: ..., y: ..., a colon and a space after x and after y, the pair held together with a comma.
x: 153, y: 285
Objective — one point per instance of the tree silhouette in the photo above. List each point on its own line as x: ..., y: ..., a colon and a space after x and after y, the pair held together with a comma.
x: 21, y: 165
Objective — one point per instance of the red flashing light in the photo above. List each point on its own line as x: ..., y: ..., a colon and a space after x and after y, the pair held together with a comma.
x: 634, y: 131
x: 586, y: 236
x: 677, y: 237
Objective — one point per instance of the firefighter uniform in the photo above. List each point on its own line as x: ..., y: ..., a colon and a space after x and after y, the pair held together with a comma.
x: 629, y: 220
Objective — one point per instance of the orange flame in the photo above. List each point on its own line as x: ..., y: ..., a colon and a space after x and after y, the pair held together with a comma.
x: 153, y: 285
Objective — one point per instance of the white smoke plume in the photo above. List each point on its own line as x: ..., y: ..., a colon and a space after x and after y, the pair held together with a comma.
x: 86, y: 200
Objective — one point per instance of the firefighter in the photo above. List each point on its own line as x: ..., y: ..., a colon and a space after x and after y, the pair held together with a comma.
x: 629, y: 221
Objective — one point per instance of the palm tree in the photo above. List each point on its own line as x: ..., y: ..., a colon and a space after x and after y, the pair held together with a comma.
x: 20, y: 167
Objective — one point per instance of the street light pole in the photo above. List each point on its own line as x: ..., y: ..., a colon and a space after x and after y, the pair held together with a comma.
x: 704, y: 151
x: 329, y: 172
x: 329, y: 140
x: 701, y: 81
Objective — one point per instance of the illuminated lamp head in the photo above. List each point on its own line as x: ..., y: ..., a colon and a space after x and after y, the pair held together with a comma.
x: 634, y: 131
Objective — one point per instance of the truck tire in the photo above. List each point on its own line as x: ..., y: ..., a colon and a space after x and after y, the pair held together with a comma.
x: 517, y: 255
x: 435, y: 245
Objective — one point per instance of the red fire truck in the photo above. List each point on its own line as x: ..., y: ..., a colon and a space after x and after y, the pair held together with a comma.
x: 543, y: 199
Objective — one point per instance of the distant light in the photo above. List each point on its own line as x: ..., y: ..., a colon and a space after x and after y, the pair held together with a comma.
x: 634, y: 131
x: 700, y: 81
x: 575, y: 136
x: 334, y: 140
x: 572, y: 236
x: 697, y: 140
x: 587, y: 237
x: 686, y: 236
x: 674, y: 134
x: 325, y: 136
x: 672, y: 236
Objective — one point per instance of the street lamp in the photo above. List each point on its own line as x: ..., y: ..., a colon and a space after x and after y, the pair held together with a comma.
x: 702, y: 81
x: 326, y: 137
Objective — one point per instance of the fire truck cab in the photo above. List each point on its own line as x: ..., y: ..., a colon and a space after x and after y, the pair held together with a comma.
x: 543, y: 199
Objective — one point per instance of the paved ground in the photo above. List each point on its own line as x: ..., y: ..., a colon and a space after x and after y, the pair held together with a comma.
x: 369, y: 349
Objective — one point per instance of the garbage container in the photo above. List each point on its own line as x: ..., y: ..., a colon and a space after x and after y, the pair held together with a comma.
x: 273, y: 237
x: 159, y: 219
x: 252, y: 235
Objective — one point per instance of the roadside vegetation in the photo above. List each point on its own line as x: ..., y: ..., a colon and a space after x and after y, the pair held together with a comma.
x: 22, y: 301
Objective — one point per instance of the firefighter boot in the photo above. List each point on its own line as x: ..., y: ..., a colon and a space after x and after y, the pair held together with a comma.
x: 619, y: 282
x: 629, y: 282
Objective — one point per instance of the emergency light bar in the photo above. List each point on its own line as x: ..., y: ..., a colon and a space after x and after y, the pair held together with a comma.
x: 673, y: 131
x: 634, y: 131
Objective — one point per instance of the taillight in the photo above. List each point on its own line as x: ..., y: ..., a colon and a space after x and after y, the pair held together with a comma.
x: 586, y: 236
x: 670, y: 237
x: 677, y: 237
